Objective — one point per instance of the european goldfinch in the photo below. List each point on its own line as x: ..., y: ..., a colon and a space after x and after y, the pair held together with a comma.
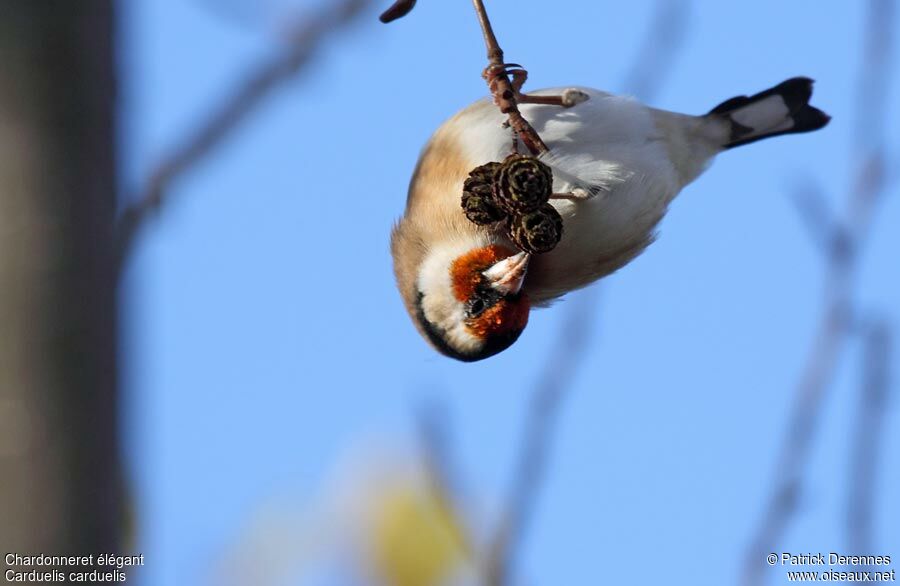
x: 469, y: 291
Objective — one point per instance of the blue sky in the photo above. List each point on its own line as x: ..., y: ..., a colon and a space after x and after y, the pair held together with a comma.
x: 264, y: 337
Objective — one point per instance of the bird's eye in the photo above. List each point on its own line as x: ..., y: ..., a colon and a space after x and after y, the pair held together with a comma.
x: 484, y: 298
x: 476, y: 307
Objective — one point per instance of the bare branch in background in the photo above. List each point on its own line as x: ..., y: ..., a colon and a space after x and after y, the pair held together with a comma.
x: 810, y: 204
x: 307, y: 37
x: 877, y: 350
x: 436, y: 441
x: 666, y: 35
x: 843, y: 254
x: 662, y: 44
x: 540, y: 431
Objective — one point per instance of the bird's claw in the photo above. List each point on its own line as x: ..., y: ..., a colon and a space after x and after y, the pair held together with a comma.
x: 576, y: 194
x: 573, y: 97
x: 493, y: 73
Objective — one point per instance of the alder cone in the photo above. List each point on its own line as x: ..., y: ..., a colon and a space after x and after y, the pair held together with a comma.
x: 478, y: 196
x: 522, y: 184
x: 537, y: 231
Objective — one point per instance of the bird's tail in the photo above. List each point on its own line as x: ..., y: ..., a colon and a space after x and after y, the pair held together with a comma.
x: 783, y: 109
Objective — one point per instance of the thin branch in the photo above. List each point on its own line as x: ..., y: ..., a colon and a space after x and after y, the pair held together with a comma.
x: 842, y: 258
x: 494, y: 53
x: 399, y: 9
x: 501, y: 87
x: 495, y: 74
x: 225, y: 118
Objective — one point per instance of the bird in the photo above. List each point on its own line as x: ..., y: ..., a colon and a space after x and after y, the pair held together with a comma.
x: 617, y: 165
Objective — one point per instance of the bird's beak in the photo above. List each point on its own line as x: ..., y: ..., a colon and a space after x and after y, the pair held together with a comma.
x: 507, y: 275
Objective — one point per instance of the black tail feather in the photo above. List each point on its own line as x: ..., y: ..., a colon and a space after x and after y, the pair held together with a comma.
x: 783, y: 109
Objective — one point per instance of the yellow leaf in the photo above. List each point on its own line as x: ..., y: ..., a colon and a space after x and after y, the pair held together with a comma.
x: 415, y: 537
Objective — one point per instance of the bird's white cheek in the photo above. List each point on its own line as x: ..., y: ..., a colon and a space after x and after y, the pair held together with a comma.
x: 440, y: 306
x: 449, y: 315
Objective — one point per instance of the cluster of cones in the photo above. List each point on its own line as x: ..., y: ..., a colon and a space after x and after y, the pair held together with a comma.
x: 516, y: 192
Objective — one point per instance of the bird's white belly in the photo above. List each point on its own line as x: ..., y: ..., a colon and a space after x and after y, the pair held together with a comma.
x: 603, y: 233
x: 608, y: 145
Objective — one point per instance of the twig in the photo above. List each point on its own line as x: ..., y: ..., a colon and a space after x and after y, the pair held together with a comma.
x: 226, y: 117
x: 495, y: 75
x: 501, y: 86
x: 399, y: 9
x: 842, y: 256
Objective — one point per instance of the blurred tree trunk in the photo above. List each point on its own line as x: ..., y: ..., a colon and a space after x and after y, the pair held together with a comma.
x: 59, y: 474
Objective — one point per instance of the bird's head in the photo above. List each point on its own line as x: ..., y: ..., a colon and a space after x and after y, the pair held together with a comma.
x: 469, y: 303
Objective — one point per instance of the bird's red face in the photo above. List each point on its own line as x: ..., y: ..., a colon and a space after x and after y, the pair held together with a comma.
x: 471, y: 305
x: 496, y: 308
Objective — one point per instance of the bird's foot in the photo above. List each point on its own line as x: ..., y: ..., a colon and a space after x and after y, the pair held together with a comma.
x: 570, y: 97
x: 494, y: 73
x: 573, y: 97
x: 518, y: 75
